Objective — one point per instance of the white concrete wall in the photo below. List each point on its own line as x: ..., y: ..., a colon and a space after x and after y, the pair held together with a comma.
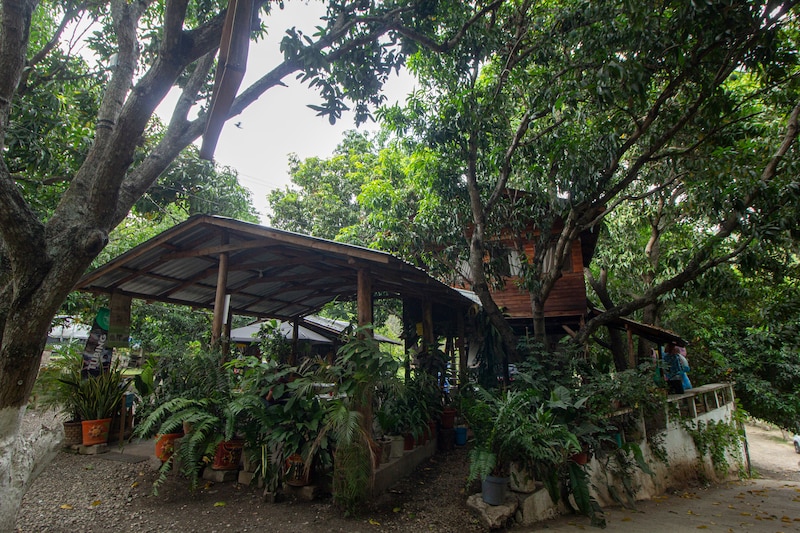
x: 684, y: 464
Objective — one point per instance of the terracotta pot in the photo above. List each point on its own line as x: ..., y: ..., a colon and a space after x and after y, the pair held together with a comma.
x: 408, y: 442
x: 580, y: 458
x: 295, y: 471
x: 165, y: 445
x: 448, y: 418
x: 228, y: 455
x: 95, y: 431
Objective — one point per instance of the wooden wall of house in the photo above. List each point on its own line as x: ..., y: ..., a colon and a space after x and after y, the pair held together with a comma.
x: 568, y: 297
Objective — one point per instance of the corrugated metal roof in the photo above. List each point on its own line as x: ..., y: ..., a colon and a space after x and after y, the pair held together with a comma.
x: 272, y: 273
x: 652, y: 333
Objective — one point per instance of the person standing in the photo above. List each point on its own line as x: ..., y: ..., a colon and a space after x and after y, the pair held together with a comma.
x: 675, y: 368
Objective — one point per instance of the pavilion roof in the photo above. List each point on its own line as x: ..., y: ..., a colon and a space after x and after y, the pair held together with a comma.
x: 271, y: 273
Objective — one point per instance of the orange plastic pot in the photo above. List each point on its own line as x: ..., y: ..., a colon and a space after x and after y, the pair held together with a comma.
x: 165, y: 445
x: 228, y: 455
x: 95, y: 431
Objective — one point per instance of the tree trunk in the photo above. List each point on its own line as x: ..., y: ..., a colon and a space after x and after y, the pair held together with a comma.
x: 40, y: 284
x: 477, y: 250
x: 618, y: 345
x: 539, y: 325
x: 22, y: 458
x: 650, y: 315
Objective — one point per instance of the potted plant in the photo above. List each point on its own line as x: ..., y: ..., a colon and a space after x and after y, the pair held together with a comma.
x: 513, y: 426
x: 392, y: 415
x: 53, y: 390
x: 359, y: 367
x: 96, y: 400
x: 211, y: 417
x: 424, y: 405
x: 292, y: 421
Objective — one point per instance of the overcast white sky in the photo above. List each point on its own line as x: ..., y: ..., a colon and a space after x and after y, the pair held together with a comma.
x: 279, y: 123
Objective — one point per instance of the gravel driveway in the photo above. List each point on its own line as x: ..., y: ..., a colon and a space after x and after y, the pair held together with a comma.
x: 97, y: 493
x: 78, y: 493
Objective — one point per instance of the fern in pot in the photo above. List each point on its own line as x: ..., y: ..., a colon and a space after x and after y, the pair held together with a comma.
x: 513, y: 426
x: 211, y: 417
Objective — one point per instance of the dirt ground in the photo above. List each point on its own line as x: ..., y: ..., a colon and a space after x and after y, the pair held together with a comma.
x: 111, y: 492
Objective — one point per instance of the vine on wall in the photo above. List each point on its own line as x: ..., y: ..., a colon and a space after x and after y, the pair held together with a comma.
x: 718, y: 440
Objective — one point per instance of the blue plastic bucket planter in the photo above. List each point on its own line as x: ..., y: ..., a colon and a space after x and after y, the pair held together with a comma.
x: 461, y: 436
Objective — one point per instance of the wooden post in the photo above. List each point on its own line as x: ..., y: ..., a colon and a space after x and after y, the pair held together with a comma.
x: 295, y: 335
x: 428, y: 338
x: 219, y: 301
x: 462, y: 349
x: 631, y: 354
x: 364, y: 300
x: 409, y: 340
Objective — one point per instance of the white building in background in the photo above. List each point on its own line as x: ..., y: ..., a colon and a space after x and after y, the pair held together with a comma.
x: 68, y: 330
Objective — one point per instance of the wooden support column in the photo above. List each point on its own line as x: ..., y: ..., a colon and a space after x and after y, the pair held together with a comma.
x: 219, y: 301
x: 364, y: 299
x: 226, y: 327
x: 631, y: 353
x: 409, y: 337
x: 461, y: 344
x: 428, y: 338
x: 295, y: 339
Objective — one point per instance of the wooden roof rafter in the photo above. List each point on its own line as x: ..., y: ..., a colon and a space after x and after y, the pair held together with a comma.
x: 271, y: 273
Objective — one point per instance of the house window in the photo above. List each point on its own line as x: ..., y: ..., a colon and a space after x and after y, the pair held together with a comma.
x: 505, y: 262
x: 548, y: 265
x: 514, y: 263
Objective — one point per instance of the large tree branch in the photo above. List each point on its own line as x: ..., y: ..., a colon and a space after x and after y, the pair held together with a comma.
x: 788, y: 140
x: 21, y: 230
x: 15, y: 25
x: 190, y: 92
x: 447, y: 45
x: 505, y: 170
x: 174, y: 15
x: 697, y: 266
x: 703, y: 260
x: 126, y: 18
x: 38, y: 57
x: 380, y: 26
x: 179, y: 134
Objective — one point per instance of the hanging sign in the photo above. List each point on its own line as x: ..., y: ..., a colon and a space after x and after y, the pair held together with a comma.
x: 97, y: 354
